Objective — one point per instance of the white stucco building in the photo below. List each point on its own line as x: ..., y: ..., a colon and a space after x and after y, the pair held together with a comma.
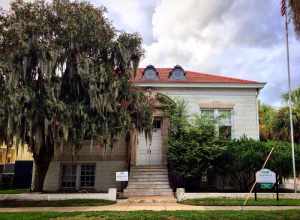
x: 94, y: 168
x: 203, y: 92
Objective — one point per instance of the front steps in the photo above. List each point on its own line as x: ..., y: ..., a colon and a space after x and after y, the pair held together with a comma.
x: 148, y: 181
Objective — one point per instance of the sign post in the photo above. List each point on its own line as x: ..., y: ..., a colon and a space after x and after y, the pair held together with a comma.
x: 122, y: 177
x: 266, y: 179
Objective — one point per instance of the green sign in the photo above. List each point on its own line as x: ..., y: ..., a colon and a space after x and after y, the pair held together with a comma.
x: 266, y: 185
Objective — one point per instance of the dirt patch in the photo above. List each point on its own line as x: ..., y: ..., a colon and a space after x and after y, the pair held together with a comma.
x: 78, y: 217
x: 172, y: 218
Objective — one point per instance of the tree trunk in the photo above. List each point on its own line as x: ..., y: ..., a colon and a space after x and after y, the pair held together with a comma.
x: 42, y: 160
x: 40, y: 171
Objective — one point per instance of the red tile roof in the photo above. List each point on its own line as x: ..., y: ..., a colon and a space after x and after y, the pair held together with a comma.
x: 191, y: 77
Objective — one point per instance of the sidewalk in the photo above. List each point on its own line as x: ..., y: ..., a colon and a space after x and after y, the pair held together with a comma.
x: 154, y: 204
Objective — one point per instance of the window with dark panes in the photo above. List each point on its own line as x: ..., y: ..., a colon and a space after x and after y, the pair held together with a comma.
x: 224, y: 122
x: 225, y: 132
x: 87, y: 175
x: 68, y: 176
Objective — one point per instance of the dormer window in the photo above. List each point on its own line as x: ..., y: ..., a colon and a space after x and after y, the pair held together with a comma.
x: 150, y: 73
x: 177, y: 73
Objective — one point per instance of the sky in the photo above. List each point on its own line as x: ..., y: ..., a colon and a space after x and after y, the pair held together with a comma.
x: 236, y: 38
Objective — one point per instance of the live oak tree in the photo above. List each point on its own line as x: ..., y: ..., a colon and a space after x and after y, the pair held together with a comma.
x: 65, y: 77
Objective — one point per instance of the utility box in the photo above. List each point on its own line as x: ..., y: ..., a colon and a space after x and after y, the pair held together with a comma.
x: 23, y: 173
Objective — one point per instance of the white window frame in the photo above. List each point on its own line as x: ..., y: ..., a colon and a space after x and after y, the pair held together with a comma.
x: 78, y: 176
x: 216, y: 115
x: 62, y: 176
x: 80, y: 183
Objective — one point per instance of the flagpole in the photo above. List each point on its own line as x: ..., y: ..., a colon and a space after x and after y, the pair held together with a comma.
x: 290, y: 100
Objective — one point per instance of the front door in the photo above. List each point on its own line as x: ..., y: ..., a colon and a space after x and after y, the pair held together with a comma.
x: 150, y: 152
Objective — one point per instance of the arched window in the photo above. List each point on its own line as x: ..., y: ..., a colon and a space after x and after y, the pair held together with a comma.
x: 177, y: 73
x: 150, y: 73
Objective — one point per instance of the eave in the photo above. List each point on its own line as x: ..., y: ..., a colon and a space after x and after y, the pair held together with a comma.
x: 200, y: 85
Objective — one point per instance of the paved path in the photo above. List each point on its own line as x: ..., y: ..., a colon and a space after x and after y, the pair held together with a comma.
x: 154, y: 204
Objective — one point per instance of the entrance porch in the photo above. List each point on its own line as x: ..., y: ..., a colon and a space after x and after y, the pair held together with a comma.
x: 148, y: 172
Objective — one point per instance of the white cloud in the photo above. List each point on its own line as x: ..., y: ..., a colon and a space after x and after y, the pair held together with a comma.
x: 236, y: 38
x: 232, y: 37
x: 4, y: 4
x: 131, y: 15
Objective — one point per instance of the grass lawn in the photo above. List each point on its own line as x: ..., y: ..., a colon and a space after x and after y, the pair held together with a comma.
x: 151, y: 215
x: 13, y: 191
x: 58, y: 203
x: 238, y: 202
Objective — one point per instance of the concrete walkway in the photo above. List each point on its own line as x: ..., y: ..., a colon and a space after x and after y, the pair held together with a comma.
x: 149, y: 203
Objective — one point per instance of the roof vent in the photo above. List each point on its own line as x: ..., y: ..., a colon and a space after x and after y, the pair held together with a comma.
x: 177, y: 73
x: 150, y: 73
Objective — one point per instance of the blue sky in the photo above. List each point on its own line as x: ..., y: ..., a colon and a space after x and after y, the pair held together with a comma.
x: 235, y: 38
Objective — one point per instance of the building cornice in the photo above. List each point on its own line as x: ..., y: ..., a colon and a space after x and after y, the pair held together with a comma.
x: 200, y: 85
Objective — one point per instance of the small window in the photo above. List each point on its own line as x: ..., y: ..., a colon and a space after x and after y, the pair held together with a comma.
x: 177, y: 73
x: 207, y: 114
x: 150, y: 73
x: 68, y: 176
x: 87, y: 175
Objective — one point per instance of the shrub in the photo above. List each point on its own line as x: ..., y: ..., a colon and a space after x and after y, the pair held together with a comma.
x: 242, y: 158
x: 194, y: 149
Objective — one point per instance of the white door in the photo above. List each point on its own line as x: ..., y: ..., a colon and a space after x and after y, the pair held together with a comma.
x: 149, y: 152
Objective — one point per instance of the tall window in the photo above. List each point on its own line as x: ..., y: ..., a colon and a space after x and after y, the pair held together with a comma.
x: 87, y: 175
x: 223, y: 121
x: 68, y: 176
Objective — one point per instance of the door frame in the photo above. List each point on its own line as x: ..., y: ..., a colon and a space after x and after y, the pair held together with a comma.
x: 148, y: 148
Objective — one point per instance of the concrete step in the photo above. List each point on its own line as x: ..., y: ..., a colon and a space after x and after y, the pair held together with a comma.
x: 149, y: 192
x: 149, y: 187
x: 144, y: 183
x: 148, y: 175
x: 135, y: 172
x: 149, y: 167
x: 136, y: 179
x: 147, y: 179
x: 148, y: 182
x: 148, y: 170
